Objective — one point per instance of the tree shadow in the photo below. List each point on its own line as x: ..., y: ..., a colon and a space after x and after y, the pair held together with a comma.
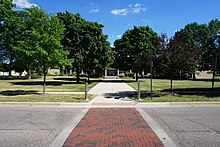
x: 119, y: 95
x: 18, y: 77
x: 65, y: 79
x: 207, y: 92
x: 82, y: 80
x: 54, y: 83
x: 206, y: 80
x: 18, y: 92
x: 118, y: 81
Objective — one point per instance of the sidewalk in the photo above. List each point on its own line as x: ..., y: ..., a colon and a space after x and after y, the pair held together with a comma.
x: 111, y: 94
x: 112, y: 121
x: 102, y: 127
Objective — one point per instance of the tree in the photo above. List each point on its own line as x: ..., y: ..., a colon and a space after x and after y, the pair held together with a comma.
x: 42, y: 41
x: 175, y: 58
x: 8, y: 32
x: 132, y: 51
x: 213, y: 53
x: 197, y: 37
x: 98, y: 54
x: 88, y: 46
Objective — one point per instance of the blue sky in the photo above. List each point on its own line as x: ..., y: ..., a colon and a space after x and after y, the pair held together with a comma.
x: 119, y: 15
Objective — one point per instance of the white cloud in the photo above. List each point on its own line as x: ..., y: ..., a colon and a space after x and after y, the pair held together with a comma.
x: 112, y: 46
x: 137, y: 8
x: 93, y: 8
x: 122, y: 12
x: 145, y: 20
x: 24, y: 3
x: 119, y: 36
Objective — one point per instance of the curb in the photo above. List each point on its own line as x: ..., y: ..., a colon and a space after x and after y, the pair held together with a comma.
x: 61, y: 104
x: 61, y: 138
x: 166, y: 140
x: 136, y: 104
x: 177, y: 104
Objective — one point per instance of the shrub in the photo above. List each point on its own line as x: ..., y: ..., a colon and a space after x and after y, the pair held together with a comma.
x: 83, y: 75
x: 129, y: 74
x: 121, y: 75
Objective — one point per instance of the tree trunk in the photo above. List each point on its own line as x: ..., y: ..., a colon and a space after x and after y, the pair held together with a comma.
x: 194, y: 76
x: 20, y: 74
x: 9, y: 72
x: 213, y: 72
x: 44, y: 86
x: 171, y: 84
x: 77, y: 74
x: 10, y: 66
x: 136, y: 76
x: 29, y: 73
x: 88, y: 79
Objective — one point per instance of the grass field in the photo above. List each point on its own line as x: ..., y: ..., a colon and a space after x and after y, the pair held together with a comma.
x: 164, y: 84
x: 44, y: 98
x: 184, y: 90
x: 54, y: 83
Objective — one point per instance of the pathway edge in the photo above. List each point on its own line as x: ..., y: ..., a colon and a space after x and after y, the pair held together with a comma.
x: 157, y: 129
x: 61, y: 138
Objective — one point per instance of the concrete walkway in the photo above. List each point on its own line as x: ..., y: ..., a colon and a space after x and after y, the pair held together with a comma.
x: 112, y: 93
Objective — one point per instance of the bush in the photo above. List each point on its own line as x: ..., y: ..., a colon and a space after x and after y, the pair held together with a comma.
x: 121, y: 75
x: 74, y: 74
x: 129, y: 74
x: 83, y: 75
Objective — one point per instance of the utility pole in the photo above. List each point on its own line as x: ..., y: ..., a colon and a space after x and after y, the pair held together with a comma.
x: 213, y: 74
x: 151, y: 85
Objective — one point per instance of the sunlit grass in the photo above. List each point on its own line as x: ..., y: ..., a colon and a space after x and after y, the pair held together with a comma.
x: 44, y: 98
x: 65, y: 84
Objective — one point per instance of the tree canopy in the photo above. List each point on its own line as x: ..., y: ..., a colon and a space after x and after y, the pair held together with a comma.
x: 132, y: 50
x: 88, y: 46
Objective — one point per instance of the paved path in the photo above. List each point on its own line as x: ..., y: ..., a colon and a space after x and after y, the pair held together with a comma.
x: 112, y: 94
x: 120, y: 125
x: 123, y: 127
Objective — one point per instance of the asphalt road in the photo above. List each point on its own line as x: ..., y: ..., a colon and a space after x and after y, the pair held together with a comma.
x: 189, y: 126
x: 33, y: 126
x: 39, y: 126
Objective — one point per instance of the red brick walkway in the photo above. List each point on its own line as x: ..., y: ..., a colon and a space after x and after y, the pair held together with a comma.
x: 122, y: 127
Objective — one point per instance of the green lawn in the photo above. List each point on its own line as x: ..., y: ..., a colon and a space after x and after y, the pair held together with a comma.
x: 177, y: 98
x: 184, y: 90
x: 54, y: 83
x: 44, y: 98
x: 162, y: 84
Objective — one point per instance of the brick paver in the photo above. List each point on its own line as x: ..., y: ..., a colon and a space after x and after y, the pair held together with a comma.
x: 112, y: 127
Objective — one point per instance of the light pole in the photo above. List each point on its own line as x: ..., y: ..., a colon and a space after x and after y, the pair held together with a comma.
x: 151, y: 84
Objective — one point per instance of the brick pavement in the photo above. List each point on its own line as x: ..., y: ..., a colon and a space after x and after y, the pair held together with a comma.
x: 112, y: 127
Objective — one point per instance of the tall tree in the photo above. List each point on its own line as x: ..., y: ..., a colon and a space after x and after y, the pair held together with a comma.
x: 98, y: 54
x: 175, y: 58
x: 8, y: 32
x: 87, y: 45
x: 213, y: 53
x: 132, y: 51
x: 42, y: 40
x: 197, y: 37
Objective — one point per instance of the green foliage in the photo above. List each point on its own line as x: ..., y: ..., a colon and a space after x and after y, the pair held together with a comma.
x: 132, y: 51
x: 87, y: 45
x: 129, y: 74
x: 205, y: 38
x: 175, y: 57
x: 9, y: 33
x: 121, y: 75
